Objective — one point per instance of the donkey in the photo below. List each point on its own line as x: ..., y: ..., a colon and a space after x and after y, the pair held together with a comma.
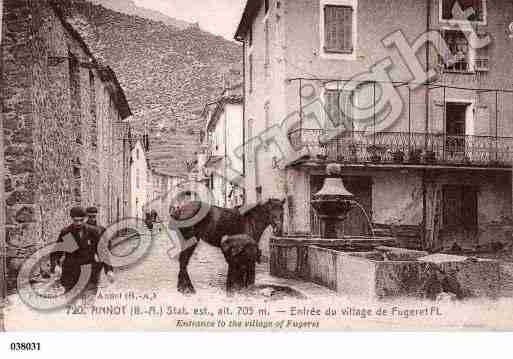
x: 219, y: 222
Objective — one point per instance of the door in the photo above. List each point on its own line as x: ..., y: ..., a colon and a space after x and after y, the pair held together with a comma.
x: 455, y: 129
x: 459, y: 221
x: 356, y: 223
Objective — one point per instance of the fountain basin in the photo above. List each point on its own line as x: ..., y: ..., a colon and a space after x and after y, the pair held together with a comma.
x: 367, y: 268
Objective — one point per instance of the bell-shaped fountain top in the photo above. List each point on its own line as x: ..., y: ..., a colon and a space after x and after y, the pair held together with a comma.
x: 333, y: 201
x: 333, y: 185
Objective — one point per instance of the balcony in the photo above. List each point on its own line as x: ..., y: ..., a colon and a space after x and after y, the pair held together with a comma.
x: 403, y: 148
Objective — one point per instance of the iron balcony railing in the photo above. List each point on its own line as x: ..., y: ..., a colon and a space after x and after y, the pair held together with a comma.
x: 405, y: 148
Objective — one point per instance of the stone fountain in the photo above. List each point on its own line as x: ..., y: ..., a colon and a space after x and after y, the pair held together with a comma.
x: 333, y: 202
x: 370, y: 266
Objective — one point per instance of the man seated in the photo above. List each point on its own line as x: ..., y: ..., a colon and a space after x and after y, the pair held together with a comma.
x: 242, y: 253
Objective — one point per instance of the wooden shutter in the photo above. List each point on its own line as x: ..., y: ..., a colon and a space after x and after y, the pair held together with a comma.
x: 331, y: 98
x: 345, y: 108
x: 338, y: 29
x: 339, y: 107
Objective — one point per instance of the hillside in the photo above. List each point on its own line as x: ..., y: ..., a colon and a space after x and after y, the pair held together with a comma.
x: 130, y: 8
x: 168, y: 74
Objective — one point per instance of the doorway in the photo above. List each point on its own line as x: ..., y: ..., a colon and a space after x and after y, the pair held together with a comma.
x: 456, y: 128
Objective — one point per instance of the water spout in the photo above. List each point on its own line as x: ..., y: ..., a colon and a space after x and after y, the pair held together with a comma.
x: 365, y: 214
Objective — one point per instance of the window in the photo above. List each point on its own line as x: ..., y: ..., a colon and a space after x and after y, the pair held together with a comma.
x: 463, y: 10
x: 461, y: 57
x: 92, y: 109
x: 74, y: 87
x: 339, y: 107
x: 137, y: 154
x: 137, y: 179
x: 267, y: 48
x: 250, y: 69
x: 338, y: 29
x: 266, y: 5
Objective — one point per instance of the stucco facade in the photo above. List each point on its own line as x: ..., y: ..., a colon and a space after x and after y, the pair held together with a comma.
x: 289, y: 71
x: 222, y: 164
x: 138, y: 180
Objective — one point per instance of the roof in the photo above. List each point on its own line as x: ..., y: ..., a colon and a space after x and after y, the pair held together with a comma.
x: 106, y: 73
x: 250, y: 11
x: 232, y: 95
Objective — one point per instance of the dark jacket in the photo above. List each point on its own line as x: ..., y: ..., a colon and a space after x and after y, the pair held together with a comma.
x: 87, y: 241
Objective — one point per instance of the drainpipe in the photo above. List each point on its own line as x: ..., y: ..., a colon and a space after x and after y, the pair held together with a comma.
x: 243, y: 114
x: 426, y: 129
x: 225, y: 156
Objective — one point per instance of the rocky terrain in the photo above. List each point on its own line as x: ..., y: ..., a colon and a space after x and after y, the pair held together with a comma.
x: 130, y: 8
x: 169, y: 73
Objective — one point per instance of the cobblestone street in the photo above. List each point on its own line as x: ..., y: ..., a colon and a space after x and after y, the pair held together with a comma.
x: 156, y: 273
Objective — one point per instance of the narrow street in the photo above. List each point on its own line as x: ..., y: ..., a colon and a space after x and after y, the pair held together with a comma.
x: 156, y: 274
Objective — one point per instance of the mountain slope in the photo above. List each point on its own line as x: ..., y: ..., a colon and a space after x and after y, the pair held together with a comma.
x: 168, y: 74
x: 130, y: 8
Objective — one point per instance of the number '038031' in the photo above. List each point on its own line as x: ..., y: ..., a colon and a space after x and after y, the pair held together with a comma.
x: 26, y: 346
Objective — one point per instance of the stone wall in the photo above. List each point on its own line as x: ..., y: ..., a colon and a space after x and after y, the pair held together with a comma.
x: 50, y: 161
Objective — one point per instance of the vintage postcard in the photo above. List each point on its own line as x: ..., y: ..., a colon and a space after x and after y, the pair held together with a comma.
x: 256, y: 165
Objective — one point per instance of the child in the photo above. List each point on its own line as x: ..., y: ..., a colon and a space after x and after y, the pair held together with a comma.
x: 242, y: 253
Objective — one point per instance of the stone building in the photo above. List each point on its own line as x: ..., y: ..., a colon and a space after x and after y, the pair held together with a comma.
x: 65, y: 140
x: 345, y: 81
x: 223, y: 137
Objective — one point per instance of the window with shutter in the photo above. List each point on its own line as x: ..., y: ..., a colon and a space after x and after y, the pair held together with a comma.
x: 338, y: 29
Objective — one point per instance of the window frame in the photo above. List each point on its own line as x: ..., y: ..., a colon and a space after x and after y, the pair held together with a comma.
x: 342, y: 55
x: 454, y: 22
x: 471, y: 54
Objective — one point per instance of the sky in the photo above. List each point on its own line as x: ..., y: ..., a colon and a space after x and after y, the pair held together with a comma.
x: 220, y: 17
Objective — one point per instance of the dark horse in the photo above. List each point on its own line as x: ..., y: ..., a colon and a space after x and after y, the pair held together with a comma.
x: 218, y: 222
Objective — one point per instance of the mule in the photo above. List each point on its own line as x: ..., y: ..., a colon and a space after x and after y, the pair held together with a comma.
x: 218, y: 222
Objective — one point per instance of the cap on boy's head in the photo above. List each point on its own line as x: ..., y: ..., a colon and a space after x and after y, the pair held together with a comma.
x: 92, y: 210
x: 77, y: 212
